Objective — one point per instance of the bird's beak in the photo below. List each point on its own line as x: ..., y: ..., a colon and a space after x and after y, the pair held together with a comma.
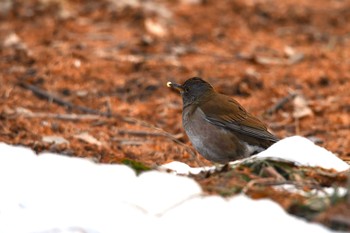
x: 175, y: 86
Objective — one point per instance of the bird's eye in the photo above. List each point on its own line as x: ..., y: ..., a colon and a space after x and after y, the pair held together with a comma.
x: 186, y: 89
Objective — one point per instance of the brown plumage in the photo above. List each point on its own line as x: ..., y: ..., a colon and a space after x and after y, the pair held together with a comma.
x: 218, y: 126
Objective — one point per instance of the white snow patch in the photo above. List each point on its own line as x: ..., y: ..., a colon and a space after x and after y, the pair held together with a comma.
x: 296, y: 149
x: 53, y: 193
x: 303, y: 152
x: 184, y: 169
x: 155, y: 192
x: 322, y: 192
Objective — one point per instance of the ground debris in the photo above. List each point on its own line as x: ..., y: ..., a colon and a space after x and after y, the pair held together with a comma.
x: 303, y: 191
x: 98, y: 68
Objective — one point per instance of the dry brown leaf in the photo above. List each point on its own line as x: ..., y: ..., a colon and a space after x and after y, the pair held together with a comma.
x: 301, y: 108
x: 155, y: 28
x: 86, y: 137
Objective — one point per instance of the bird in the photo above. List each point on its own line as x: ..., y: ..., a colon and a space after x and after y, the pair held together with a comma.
x: 218, y: 127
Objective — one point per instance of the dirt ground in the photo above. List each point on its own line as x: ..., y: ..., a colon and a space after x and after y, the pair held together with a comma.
x: 88, y: 78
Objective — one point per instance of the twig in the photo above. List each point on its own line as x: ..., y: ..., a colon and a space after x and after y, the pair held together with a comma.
x: 348, y: 188
x: 272, y: 172
x: 69, y: 117
x: 146, y: 133
x: 131, y: 142
x: 55, y: 99
x: 281, y: 103
x: 108, y: 106
x: 270, y: 181
x: 297, y: 126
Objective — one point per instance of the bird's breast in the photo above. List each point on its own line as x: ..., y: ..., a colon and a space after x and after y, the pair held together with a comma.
x: 214, y: 143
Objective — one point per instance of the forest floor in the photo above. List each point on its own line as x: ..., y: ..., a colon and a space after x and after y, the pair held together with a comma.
x: 88, y: 79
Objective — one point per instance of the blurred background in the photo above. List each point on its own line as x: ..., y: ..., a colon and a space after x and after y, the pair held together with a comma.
x: 88, y: 78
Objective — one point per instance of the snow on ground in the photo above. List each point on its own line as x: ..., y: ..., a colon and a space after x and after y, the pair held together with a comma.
x: 299, y: 150
x: 53, y: 193
x: 304, y: 152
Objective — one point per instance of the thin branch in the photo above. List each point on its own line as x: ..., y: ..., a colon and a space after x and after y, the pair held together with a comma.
x: 131, y: 142
x: 68, y: 117
x: 57, y: 100
x: 146, y: 133
x: 270, y: 181
x: 131, y: 120
x: 348, y: 188
x: 279, y: 104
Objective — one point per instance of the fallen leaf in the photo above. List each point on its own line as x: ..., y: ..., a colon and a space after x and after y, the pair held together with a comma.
x: 55, y: 139
x: 86, y: 137
x: 155, y: 28
x: 301, y: 108
x: 12, y: 40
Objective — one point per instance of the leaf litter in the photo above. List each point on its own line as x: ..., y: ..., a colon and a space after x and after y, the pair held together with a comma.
x: 115, y: 57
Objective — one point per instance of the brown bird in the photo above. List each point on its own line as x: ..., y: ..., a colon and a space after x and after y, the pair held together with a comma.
x: 220, y: 129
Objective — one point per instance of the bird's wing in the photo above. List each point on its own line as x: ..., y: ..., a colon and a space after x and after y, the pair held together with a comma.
x: 231, y: 115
